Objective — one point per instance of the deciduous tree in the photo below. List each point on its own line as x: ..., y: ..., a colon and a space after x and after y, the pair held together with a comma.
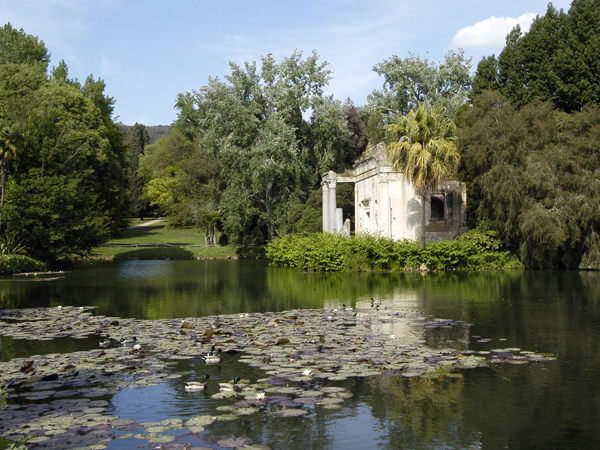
x: 535, y: 175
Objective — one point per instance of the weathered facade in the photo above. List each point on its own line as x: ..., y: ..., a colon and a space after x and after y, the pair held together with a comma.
x: 385, y: 202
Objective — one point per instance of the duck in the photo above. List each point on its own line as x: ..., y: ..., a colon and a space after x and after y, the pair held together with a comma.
x: 231, y: 386
x: 106, y: 342
x: 128, y: 341
x: 347, y: 308
x: 198, y: 385
x: 213, y: 358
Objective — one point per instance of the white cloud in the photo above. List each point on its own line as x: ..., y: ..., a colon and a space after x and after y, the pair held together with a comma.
x: 490, y: 34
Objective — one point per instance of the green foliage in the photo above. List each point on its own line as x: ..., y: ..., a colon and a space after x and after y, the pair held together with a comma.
x: 410, y: 81
x: 557, y: 60
x: 183, y: 182
x: 534, y: 174
x: 272, y: 133
x: 137, y: 139
x: 66, y: 184
x: 318, y: 252
x: 10, y: 244
x: 10, y: 264
x: 16, y: 47
x: 424, y: 147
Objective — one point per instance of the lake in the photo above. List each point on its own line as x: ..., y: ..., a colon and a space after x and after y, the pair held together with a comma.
x: 541, y: 405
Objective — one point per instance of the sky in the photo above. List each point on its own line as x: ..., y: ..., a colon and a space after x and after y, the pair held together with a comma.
x: 149, y: 51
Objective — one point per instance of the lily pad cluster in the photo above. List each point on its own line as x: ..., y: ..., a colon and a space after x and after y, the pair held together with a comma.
x: 57, y: 399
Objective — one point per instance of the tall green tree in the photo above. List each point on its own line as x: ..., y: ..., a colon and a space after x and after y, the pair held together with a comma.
x: 66, y: 193
x: 557, y: 60
x: 534, y: 176
x: 8, y: 151
x: 410, y: 81
x: 424, y: 146
x: 17, y: 47
x: 273, y: 132
x: 183, y: 182
x: 137, y: 139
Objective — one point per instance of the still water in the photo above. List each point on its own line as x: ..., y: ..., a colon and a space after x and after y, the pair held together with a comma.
x: 554, y: 404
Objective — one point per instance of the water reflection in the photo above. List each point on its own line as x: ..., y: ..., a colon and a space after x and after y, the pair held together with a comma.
x: 545, y: 405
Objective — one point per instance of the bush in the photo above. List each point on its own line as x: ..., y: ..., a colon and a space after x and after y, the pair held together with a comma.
x: 10, y: 264
x: 318, y: 252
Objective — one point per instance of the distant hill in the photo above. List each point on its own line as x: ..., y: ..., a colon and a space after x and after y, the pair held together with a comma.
x: 158, y: 131
x: 155, y: 132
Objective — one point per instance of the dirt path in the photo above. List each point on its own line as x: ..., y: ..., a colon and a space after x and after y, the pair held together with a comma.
x: 147, y: 224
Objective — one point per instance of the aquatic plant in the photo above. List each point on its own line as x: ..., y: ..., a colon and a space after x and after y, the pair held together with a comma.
x: 302, y: 353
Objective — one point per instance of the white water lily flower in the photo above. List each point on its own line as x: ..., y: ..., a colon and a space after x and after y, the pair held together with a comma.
x: 392, y: 336
x: 307, y: 372
x: 260, y: 396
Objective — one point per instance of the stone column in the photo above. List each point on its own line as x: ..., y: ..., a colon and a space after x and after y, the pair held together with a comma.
x: 325, y: 187
x: 332, y: 203
x: 328, y: 184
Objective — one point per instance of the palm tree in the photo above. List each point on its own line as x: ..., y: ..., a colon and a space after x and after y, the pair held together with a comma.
x: 425, y: 148
x: 7, y: 152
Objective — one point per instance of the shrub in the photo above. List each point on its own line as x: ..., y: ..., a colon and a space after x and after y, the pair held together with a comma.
x: 10, y: 264
x: 323, y: 252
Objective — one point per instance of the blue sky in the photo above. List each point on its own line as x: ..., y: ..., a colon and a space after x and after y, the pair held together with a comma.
x: 149, y: 51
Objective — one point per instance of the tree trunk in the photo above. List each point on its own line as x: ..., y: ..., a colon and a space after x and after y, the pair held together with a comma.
x: 423, y: 220
x: 3, y: 185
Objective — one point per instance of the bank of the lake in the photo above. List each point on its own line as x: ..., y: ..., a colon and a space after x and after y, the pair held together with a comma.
x: 477, y: 249
x: 320, y: 252
x: 155, y: 239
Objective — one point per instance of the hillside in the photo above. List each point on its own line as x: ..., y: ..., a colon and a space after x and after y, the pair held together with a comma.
x: 155, y: 132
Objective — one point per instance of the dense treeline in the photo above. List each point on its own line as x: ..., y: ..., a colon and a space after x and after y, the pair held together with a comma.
x: 535, y: 178
x: 557, y: 60
x: 63, y: 158
x: 530, y: 141
x: 244, y: 157
x: 246, y: 151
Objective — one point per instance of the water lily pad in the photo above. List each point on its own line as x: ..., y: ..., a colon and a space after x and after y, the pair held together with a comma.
x: 160, y: 438
x: 330, y: 401
x: 246, y: 411
x: 334, y: 406
x: 233, y: 442
x: 226, y: 417
x: 200, y: 421
x: 284, y: 390
x: 341, y: 394
x: 312, y: 393
x: 226, y: 408
x: 290, y: 412
x: 156, y: 429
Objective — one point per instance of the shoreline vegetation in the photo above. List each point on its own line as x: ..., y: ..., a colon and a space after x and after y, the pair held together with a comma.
x: 477, y: 249
x: 156, y: 239
x: 316, y: 252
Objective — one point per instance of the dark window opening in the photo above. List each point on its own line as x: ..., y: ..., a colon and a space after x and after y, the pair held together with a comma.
x: 437, y: 208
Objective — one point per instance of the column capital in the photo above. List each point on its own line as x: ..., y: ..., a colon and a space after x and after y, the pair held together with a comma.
x: 329, y: 178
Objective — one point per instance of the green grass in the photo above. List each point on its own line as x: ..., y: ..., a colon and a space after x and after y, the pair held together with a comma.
x: 159, y: 241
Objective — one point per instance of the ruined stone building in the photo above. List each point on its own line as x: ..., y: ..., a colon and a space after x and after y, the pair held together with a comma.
x: 385, y: 202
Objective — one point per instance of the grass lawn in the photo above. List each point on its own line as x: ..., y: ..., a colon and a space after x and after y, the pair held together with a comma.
x: 158, y: 241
